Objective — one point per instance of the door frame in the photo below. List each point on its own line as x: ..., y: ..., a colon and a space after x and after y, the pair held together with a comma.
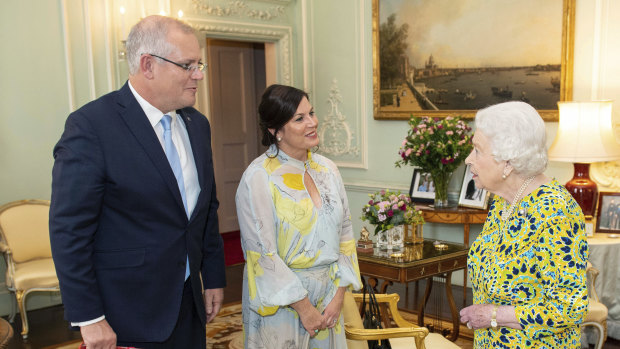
x: 278, y: 51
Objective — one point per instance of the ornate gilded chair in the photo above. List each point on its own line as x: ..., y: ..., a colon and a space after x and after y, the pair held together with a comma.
x: 25, y: 243
x: 597, y: 311
x: 406, y: 335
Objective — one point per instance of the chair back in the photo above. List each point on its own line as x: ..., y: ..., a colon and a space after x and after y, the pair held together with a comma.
x: 24, y: 228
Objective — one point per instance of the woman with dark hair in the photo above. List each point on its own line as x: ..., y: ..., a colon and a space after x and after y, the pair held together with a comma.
x: 296, y: 232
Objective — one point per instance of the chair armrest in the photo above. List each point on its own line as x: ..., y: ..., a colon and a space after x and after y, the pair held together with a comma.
x: 392, y: 300
x: 592, y: 281
x: 4, y: 247
x: 384, y: 333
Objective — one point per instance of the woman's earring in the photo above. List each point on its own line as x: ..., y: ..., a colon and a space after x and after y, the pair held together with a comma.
x: 504, y: 176
x: 279, y: 139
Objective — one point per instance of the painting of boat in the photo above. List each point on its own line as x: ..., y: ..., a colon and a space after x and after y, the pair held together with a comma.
x: 502, y: 92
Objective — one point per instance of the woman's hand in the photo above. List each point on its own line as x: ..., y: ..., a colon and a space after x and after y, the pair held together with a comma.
x: 479, y: 316
x: 331, y: 314
x: 310, y: 318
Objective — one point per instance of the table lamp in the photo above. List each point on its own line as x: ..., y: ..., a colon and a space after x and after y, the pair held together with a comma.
x: 584, y: 136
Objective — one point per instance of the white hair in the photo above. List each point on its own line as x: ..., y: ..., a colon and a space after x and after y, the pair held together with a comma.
x: 517, y: 134
x: 149, y: 36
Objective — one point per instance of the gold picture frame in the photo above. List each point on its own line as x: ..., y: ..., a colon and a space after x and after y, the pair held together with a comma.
x: 403, y: 113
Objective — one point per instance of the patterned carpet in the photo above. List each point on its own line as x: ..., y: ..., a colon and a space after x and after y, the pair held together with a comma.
x: 226, y: 331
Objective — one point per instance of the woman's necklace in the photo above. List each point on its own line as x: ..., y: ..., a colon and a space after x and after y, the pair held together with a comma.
x: 506, y: 214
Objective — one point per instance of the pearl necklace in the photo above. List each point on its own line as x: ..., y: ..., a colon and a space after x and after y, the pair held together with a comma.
x: 507, y: 213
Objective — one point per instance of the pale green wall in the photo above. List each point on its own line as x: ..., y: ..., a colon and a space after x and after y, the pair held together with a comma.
x: 33, y: 107
x: 336, y: 44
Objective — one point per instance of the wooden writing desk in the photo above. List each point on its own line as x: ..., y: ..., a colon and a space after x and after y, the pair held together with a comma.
x: 422, y: 261
x: 455, y: 215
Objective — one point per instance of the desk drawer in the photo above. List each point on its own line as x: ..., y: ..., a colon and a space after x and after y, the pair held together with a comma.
x: 422, y: 272
x: 453, y: 264
x: 384, y: 272
x: 444, y: 217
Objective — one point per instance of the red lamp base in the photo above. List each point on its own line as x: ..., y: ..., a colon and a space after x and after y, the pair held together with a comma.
x: 583, y: 189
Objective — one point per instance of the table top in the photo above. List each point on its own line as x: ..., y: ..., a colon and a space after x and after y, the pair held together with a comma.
x: 603, y: 239
x: 413, y: 255
x: 454, y: 209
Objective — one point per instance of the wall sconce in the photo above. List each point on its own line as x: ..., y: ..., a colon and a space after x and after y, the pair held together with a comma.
x: 585, y: 135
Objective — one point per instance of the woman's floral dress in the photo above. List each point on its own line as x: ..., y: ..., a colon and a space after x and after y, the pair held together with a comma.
x: 535, y: 261
x: 292, y: 248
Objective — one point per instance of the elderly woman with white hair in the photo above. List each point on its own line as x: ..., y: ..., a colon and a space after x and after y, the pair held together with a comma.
x: 527, y: 266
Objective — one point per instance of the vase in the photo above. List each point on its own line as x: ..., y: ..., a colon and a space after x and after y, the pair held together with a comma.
x: 412, y: 234
x: 391, y: 239
x: 441, y: 179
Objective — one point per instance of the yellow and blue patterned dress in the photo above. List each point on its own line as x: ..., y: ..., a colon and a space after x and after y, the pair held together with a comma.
x: 535, y: 261
x: 292, y: 248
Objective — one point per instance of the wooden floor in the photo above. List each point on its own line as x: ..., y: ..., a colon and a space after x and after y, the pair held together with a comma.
x: 47, y: 326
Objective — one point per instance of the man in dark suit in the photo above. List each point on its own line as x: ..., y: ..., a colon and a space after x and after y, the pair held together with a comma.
x: 133, y: 219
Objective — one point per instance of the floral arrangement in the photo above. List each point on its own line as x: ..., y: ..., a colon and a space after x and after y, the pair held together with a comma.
x: 435, y: 144
x: 438, y: 146
x: 388, y: 209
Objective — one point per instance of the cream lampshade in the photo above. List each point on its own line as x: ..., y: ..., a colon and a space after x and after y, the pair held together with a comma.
x: 585, y: 135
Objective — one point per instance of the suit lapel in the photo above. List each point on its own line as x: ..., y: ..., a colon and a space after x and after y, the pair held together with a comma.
x: 137, y: 122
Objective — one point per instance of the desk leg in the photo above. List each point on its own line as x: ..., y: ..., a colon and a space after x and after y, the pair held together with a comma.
x: 427, y: 294
x: 455, y: 318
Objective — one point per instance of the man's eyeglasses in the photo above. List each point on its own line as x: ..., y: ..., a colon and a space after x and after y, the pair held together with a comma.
x: 190, y: 68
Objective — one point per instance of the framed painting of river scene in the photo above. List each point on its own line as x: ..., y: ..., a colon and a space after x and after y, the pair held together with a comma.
x: 452, y: 57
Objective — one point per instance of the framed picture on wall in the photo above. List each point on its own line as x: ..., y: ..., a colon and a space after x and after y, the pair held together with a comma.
x: 608, y: 217
x: 422, y: 189
x: 434, y: 60
x: 470, y: 195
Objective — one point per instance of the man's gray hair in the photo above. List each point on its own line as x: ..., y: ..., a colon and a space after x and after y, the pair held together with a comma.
x: 149, y: 36
x: 517, y: 134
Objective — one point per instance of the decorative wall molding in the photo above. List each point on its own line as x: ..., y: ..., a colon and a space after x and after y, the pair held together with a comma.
x: 607, y: 175
x: 67, y: 50
x: 89, y: 49
x: 238, y: 8
x: 372, y: 187
x: 359, y: 105
x: 335, y: 134
x: 246, y: 31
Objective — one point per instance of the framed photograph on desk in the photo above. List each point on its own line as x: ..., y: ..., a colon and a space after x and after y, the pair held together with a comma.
x: 608, y: 216
x: 422, y: 189
x: 470, y: 195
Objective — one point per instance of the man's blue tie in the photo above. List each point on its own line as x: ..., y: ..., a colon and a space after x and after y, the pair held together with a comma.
x: 175, y: 163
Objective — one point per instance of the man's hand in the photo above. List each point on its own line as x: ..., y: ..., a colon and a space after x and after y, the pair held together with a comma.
x: 213, y: 302
x: 98, y: 335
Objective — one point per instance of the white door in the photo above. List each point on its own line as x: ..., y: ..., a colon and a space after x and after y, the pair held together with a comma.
x: 234, y: 121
